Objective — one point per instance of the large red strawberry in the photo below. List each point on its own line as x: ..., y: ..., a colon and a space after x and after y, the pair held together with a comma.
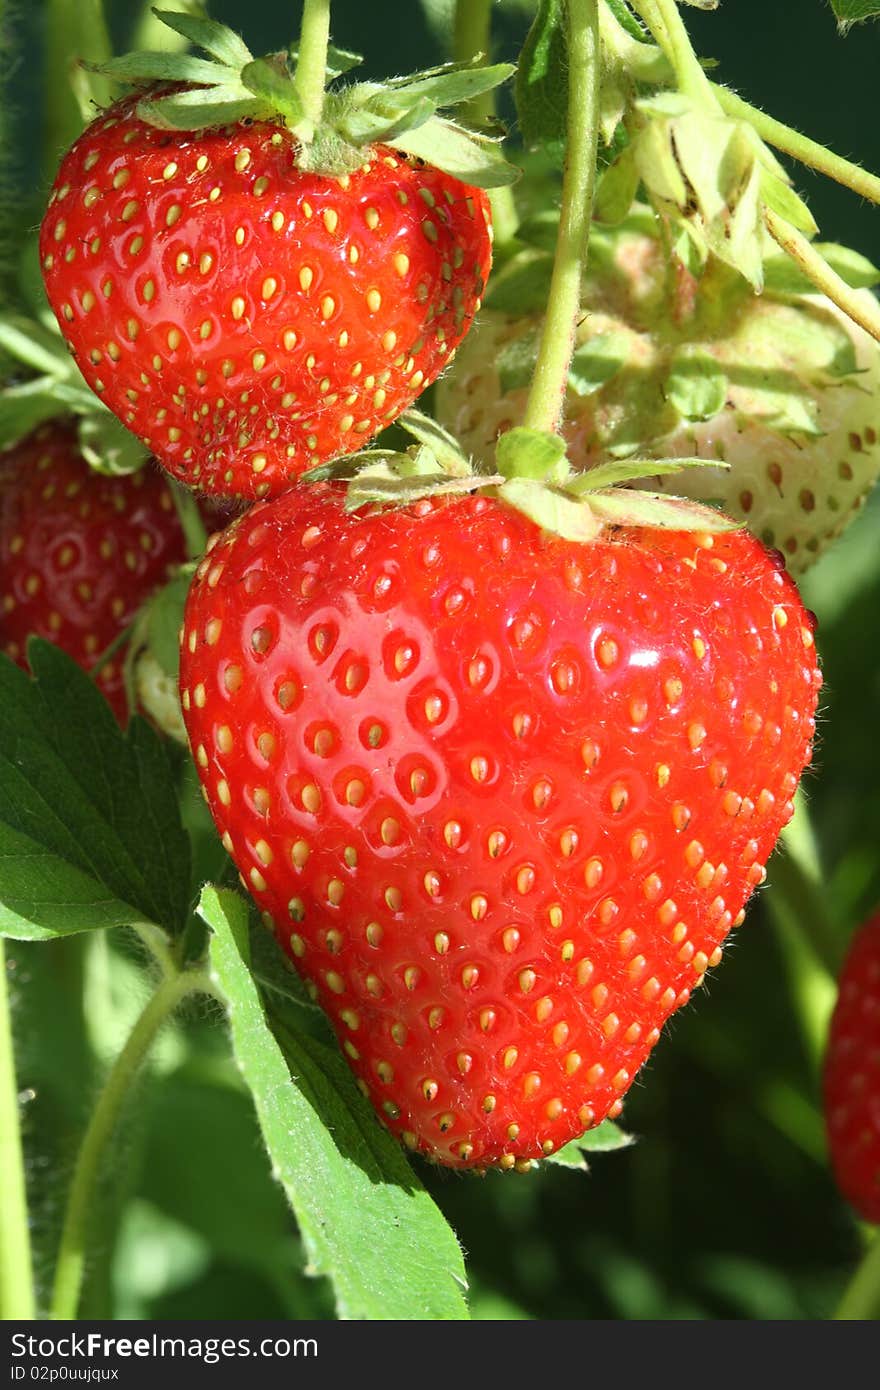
x: 852, y: 1075
x: 79, y: 552
x: 502, y: 794
x: 781, y: 387
x: 254, y: 292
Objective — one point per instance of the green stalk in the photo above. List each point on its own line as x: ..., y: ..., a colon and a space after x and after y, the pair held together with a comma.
x: 648, y: 64
x: 311, y: 66
x: 472, y: 34
x: 472, y: 37
x: 861, y: 1301
x: 16, y: 1276
x: 75, y: 31
x: 70, y: 1265
x: 864, y: 310
x: 801, y: 147
x: 668, y: 28
x: 194, y: 534
x: 547, y: 391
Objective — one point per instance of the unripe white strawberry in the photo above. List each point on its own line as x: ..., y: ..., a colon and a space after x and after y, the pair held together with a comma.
x: 782, y: 386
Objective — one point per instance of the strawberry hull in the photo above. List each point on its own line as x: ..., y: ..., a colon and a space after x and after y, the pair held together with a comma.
x: 247, y: 320
x: 501, y: 795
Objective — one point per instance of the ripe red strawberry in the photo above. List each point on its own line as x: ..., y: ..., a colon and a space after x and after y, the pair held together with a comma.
x: 79, y: 552
x: 852, y: 1075
x: 248, y: 320
x: 502, y: 795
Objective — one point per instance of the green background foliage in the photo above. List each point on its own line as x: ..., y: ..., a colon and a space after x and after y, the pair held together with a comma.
x: 723, y: 1207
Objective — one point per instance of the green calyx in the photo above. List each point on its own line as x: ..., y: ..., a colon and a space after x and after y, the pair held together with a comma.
x: 228, y: 85
x: 533, y: 476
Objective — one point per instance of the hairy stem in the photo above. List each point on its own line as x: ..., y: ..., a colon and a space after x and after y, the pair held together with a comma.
x: 76, y: 31
x: 648, y: 64
x: 801, y: 147
x: 471, y: 38
x: 863, y: 309
x: 547, y: 391
x: 861, y: 1301
x: 668, y: 28
x: 194, y: 534
x: 16, y: 1276
x: 472, y: 34
x: 311, y: 67
x: 70, y: 1265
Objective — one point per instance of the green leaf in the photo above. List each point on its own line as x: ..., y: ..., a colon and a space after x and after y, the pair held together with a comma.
x: 551, y: 509
x: 696, y: 386
x: 34, y: 346
x: 341, y: 61
x: 524, y: 453
x: 366, y: 1221
x: 218, y: 40
x: 851, y: 12
x: 274, y: 88
x: 541, y: 89
x: 522, y: 286
x: 457, y: 152
x: 540, y: 230
x: 617, y: 188
x: 444, y: 446
x: 457, y: 82
x: 387, y: 121
x: 90, y: 832
x: 783, y: 276
x: 617, y: 471
x: 161, y: 67
x: 164, y: 621
x: 605, y: 1138
x: 200, y: 109
x: 626, y: 507
x: 516, y: 360
x: 597, y: 361
x: 107, y: 445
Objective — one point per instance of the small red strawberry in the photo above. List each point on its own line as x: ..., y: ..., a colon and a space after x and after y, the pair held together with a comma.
x: 852, y: 1075
x: 79, y: 552
x: 501, y: 794
x: 251, y: 303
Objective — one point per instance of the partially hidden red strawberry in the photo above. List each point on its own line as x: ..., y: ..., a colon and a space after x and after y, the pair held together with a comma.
x: 502, y: 795
x: 246, y: 319
x: 79, y: 552
x: 852, y: 1075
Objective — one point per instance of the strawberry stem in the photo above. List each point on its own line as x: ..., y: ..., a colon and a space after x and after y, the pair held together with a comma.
x: 16, y: 1278
x: 311, y: 67
x: 801, y: 147
x: 668, y: 28
x: 547, y: 390
x: 472, y: 39
x: 76, y: 32
x: 472, y: 35
x: 861, y: 1300
x: 70, y: 1265
x: 862, y: 308
x: 194, y: 534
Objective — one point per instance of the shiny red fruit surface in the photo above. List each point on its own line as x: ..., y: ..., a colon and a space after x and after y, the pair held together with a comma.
x: 245, y: 319
x: 501, y: 795
x: 79, y: 552
x: 852, y: 1076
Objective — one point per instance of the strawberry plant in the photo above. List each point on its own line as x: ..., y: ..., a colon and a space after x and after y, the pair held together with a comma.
x: 463, y: 676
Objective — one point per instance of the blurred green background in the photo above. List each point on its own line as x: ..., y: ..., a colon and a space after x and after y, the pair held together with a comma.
x: 724, y: 1208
